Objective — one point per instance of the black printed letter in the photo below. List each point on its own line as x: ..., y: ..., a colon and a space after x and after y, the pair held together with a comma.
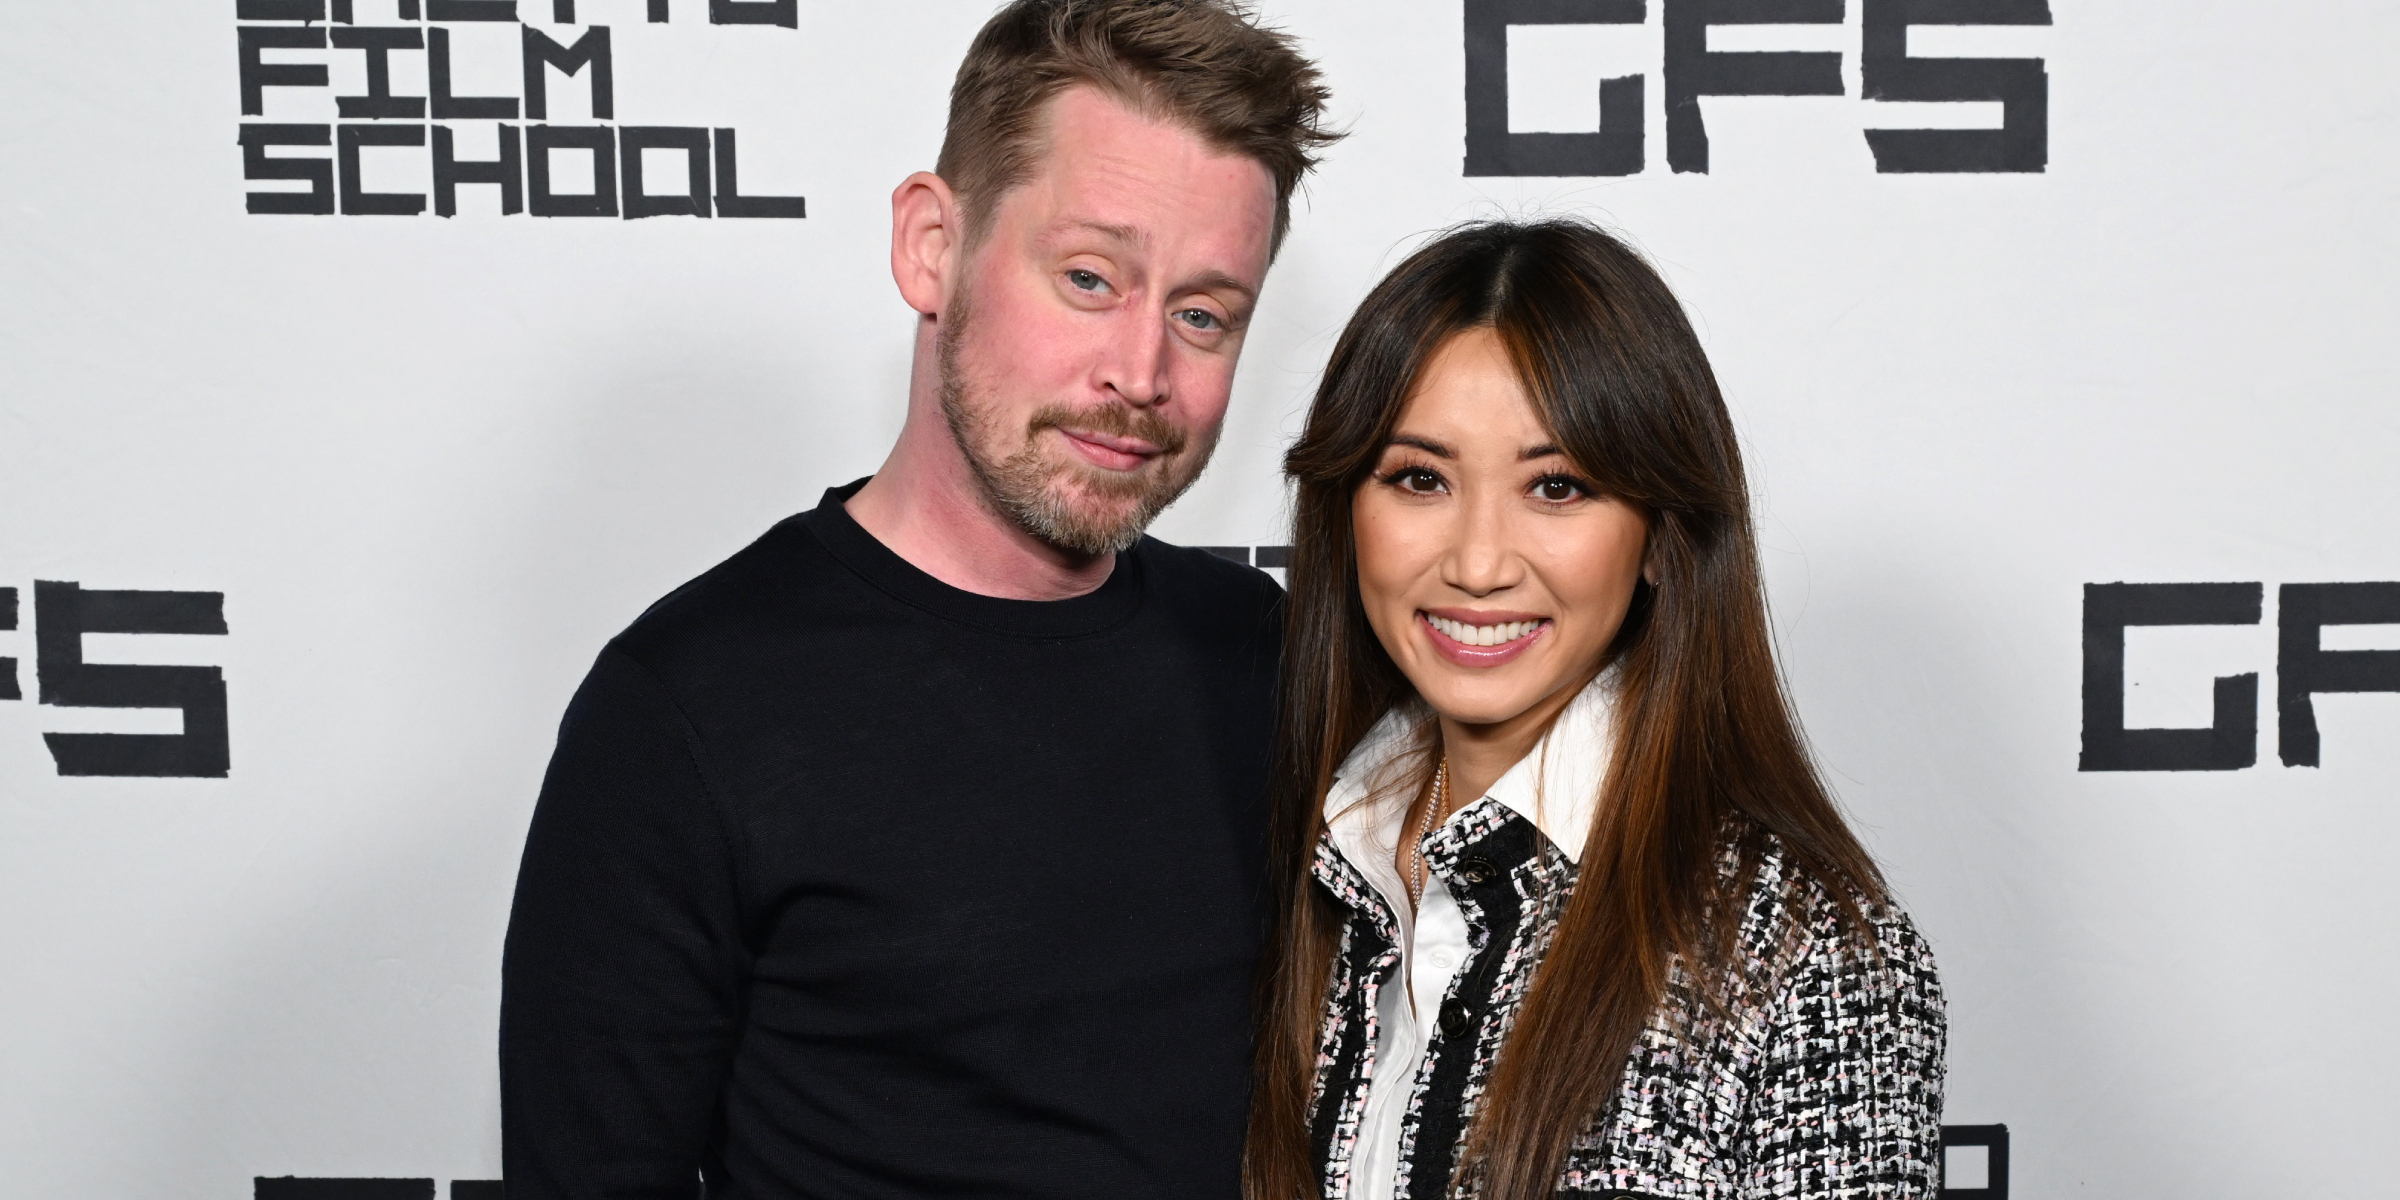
x: 540, y: 140
x: 448, y: 173
x: 8, y: 666
x: 2303, y: 669
x: 591, y: 48
x: 2229, y: 744
x: 449, y: 107
x: 1693, y: 70
x: 318, y: 172
x: 303, y: 1188
x: 63, y: 613
x: 356, y: 200
x: 2022, y: 143
x: 751, y: 12
x: 632, y: 140
x: 379, y: 101
x: 470, y: 10
x: 258, y: 76
x: 1492, y: 150
x: 279, y: 10
x: 730, y: 200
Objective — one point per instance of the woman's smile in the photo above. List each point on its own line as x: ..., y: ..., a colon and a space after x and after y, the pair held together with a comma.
x: 1473, y: 639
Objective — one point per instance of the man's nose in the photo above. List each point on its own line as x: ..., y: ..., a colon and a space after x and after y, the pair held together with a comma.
x: 1134, y: 360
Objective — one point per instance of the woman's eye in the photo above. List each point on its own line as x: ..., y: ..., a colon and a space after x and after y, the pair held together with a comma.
x: 1201, y: 319
x: 1418, y: 480
x: 1086, y: 281
x: 1558, y: 489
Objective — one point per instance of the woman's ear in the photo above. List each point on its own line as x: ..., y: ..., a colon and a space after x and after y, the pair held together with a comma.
x: 1650, y: 553
x: 926, y: 237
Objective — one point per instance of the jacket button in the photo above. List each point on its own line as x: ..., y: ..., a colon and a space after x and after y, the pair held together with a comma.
x: 1454, y: 1022
x: 1478, y: 872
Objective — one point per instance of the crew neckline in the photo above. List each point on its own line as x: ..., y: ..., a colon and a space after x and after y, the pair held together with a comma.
x: 1097, y: 611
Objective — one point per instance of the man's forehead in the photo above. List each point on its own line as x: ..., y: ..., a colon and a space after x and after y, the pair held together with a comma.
x: 1086, y: 118
x: 1109, y: 172
x: 1116, y: 180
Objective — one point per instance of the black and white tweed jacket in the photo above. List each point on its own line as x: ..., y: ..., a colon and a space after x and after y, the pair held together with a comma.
x: 1821, y: 1078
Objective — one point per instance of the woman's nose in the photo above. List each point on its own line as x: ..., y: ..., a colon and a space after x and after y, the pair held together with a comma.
x: 1481, y: 559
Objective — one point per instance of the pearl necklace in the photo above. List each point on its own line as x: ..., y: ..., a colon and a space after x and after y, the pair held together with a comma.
x: 1434, y: 817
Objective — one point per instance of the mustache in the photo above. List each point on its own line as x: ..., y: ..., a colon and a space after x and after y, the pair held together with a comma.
x: 1115, y: 420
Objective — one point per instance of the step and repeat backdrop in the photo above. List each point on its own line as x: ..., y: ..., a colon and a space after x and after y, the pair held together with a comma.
x: 365, y: 364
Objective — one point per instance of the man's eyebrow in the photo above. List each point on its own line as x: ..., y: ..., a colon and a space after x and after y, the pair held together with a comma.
x: 1219, y: 281
x: 1117, y: 233
x: 1127, y: 235
x: 1426, y: 444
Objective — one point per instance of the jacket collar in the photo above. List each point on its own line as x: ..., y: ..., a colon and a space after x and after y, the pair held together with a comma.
x: 1556, y: 787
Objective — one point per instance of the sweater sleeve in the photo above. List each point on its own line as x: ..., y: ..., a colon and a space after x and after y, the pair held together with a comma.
x: 1849, y: 1102
x: 622, y: 978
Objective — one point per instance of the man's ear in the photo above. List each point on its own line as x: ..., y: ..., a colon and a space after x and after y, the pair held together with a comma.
x: 926, y: 238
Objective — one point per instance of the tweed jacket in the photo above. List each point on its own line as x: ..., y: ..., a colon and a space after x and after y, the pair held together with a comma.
x: 1818, y: 1076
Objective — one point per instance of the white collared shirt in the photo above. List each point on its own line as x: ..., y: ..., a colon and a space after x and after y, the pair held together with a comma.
x: 1556, y: 787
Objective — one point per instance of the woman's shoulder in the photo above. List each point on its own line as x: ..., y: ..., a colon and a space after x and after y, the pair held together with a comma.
x: 1815, y: 1054
x: 1797, y: 918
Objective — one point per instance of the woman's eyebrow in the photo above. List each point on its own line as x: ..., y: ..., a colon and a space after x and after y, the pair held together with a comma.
x: 1545, y: 450
x: 1426, y: 444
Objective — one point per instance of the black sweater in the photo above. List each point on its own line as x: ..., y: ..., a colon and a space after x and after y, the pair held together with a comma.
x: 847, y: 883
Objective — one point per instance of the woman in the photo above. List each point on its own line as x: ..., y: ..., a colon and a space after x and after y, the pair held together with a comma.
x: 1571, y: 913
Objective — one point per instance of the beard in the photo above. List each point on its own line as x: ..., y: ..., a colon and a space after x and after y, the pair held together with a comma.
x: 1072, y: 505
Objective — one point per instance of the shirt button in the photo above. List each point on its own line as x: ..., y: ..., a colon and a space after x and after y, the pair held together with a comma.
x: 1441, y: 959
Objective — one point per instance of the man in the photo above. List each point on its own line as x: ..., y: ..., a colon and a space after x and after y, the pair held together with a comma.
x: 916, y: 849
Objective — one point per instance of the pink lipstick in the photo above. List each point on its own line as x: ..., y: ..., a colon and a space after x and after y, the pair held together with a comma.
x: 1478, y: 639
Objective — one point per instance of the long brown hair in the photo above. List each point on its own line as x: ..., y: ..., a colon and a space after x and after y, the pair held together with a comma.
x: 1707, y: 747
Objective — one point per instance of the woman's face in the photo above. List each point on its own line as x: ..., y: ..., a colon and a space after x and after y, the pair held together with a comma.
x: 1493, y: 572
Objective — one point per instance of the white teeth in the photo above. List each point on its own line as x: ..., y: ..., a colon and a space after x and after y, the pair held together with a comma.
x: 1483, y: 635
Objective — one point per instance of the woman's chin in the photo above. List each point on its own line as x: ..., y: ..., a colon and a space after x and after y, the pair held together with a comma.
x: 1479, y: 707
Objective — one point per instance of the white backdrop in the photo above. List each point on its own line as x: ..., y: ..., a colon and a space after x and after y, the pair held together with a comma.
x: 431, y: 464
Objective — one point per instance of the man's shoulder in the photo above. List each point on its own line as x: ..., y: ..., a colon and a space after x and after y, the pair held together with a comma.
x: 732, y: 606
x: 1205, y: 583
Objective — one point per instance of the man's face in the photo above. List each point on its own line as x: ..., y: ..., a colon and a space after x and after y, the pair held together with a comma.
x: 1087, y: 354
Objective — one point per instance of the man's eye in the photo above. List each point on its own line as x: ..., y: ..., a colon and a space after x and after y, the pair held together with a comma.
x: 1558, y: 489
x: 1200, y: 318
x: 1086, y: 281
